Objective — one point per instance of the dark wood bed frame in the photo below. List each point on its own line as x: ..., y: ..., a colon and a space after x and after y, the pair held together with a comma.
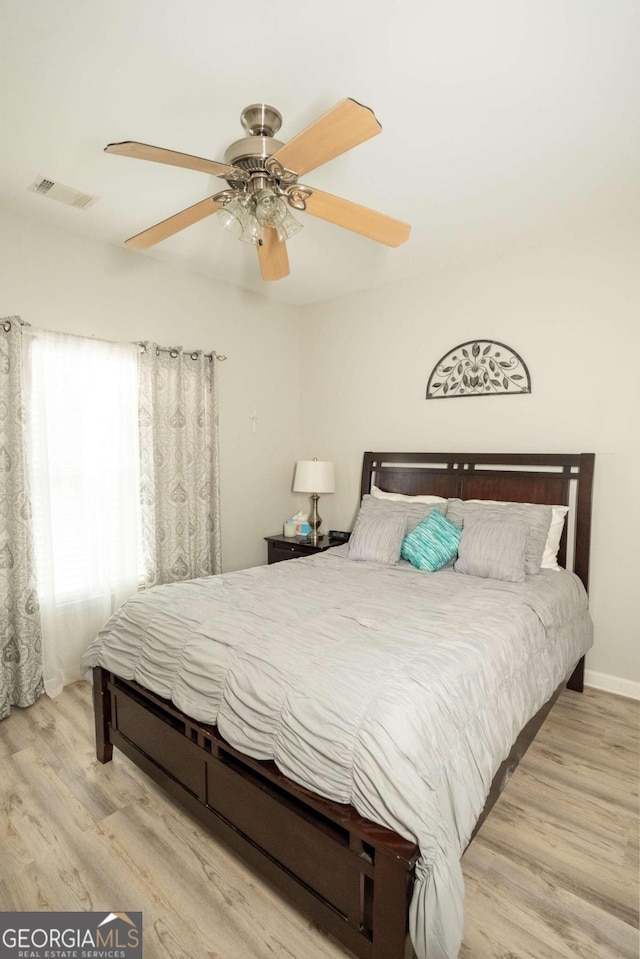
x: 351, y: 876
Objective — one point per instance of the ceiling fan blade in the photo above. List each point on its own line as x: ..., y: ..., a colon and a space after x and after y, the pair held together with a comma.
x: 273, y: 256
x: 173, y: 224
x: 343, y: 127
x: 357, y: 218
x: 143, y: 151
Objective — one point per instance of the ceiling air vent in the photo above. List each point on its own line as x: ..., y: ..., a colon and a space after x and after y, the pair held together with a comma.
x: 62, y: 193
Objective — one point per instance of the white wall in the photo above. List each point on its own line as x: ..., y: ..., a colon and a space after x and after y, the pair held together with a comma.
x: 358, y: 368
x: 59, y: 281
x: 573, y: 313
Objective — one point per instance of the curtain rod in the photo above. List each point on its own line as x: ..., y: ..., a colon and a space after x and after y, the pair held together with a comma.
x: 30, y: 331
x: 174, y: 351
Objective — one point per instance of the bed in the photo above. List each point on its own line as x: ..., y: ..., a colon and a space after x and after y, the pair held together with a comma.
x: 358, y: 868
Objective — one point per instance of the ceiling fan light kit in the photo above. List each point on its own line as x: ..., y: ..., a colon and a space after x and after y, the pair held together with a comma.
x: 262, y: 184
x: 246, y: 216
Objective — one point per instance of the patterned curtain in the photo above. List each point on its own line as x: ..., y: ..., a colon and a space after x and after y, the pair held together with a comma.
x: 20, y: 636
x: 179, y: 479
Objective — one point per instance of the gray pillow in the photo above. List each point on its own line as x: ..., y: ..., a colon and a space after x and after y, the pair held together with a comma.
x: 537, y: 520
x: 413, y: 513
x: 493, y: 549
x: 377, y: 537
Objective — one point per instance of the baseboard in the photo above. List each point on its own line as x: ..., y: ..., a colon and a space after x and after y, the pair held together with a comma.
x: 612, y: 684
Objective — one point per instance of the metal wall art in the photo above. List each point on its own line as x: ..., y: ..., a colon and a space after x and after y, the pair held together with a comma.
x: 478, y: 368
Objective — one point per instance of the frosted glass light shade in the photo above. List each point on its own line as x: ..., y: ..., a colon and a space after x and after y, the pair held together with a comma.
x: 288, y: 228
x: 314, y: 476
x: 234, y: 216
x: 252, y: 232
x: 271, y: 210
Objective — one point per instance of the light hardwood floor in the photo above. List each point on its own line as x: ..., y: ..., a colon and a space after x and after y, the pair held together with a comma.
x: 552, y: 874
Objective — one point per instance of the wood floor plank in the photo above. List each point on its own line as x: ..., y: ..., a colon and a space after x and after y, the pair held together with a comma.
x: 15, y: 853
x: 20, y: 733
x: 589, y: 764
x: 535, y: 793
x: 609, y: 890
x: 522, y: 891
x: 552, y: 831
x: 552, y: 874
x: 24, y: 891
x: 607, y: 788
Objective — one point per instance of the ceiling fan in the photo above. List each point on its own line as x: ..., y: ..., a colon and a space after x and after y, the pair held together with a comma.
x: 262, y: 183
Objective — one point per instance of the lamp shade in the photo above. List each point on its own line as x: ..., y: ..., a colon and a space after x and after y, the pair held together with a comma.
x: 314, y: 476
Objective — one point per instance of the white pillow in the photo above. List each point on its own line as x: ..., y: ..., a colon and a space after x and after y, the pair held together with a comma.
x: 399, y: 497
x: 552, y: 545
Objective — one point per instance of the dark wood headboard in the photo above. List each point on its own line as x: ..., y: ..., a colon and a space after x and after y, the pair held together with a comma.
x: 557, y: 479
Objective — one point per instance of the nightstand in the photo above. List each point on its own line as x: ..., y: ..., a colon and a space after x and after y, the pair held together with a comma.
x: 293, y: 547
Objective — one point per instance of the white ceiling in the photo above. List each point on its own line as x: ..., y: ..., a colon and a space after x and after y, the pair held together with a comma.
x: 505, y: 122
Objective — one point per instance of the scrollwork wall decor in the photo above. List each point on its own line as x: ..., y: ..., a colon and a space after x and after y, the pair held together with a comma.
x: 479, y: 368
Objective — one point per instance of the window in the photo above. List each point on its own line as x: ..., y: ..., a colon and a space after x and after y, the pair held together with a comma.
x: 82, y: 401
x: 83, y: 398
x: 84, y: 464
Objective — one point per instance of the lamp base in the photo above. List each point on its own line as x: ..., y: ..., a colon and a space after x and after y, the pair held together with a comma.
x: 315, y: 520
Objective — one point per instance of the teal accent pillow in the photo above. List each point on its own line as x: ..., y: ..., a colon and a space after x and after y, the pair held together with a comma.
x: 432, y: 544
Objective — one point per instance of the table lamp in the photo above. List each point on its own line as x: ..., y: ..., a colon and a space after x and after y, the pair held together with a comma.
x: 314, y: 476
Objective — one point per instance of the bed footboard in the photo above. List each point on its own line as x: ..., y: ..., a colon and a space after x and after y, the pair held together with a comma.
x: 351, y: 876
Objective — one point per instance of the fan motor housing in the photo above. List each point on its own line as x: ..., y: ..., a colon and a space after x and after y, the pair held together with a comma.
x: 251, y: 152
x: 261, y: 122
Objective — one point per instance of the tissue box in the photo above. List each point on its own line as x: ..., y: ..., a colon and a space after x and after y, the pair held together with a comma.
x: 303, y: 529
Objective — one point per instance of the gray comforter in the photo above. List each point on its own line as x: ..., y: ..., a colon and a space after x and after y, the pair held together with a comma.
x: 398, y: 691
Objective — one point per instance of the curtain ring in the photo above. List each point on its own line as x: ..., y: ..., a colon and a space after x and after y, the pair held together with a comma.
x: 173, y: 354
x: 6, y: 326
